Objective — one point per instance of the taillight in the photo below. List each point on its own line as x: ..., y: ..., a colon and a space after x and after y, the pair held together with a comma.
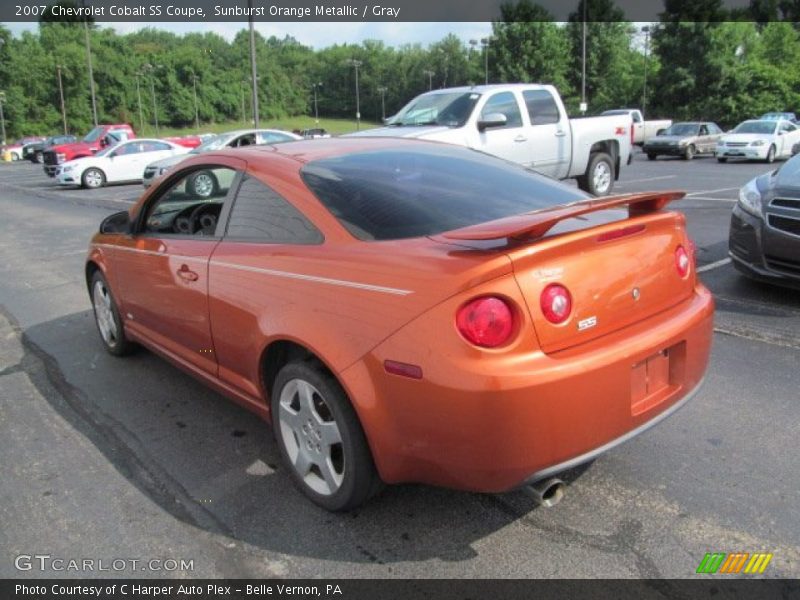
x: 693, y: 251
x: 632, y: 128
x: 487, y: 321
x: 682, y: 261
x: 556, y: 303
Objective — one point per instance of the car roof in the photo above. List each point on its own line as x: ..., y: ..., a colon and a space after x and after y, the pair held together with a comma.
x: 305, y: 151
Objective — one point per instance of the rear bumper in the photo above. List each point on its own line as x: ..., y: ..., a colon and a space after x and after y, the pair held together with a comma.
x: 503, y: 421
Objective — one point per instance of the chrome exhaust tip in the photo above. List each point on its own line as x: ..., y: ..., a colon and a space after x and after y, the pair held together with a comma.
x: 547, y: 492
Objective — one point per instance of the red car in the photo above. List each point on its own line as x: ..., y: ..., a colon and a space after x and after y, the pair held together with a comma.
x: 408, y: 311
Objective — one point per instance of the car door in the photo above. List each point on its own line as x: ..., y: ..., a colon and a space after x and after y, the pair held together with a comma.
x: 123, y: 162
x: 703, y: 143
x: 258, y: 264
x: 162, y: 266
x: 509, y: 141
x: 548, y: 143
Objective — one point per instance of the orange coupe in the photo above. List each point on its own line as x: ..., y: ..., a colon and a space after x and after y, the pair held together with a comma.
x: 407, y: 311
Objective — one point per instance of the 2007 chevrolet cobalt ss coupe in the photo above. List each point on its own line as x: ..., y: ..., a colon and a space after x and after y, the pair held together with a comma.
x: 409, y: 311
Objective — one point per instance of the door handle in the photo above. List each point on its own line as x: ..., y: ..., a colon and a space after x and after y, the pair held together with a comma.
x: 187, y: 274
x: 561, y: 133
x: 520, y: 138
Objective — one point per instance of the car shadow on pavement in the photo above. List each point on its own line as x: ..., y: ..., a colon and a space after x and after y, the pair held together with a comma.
x: 216, y: 466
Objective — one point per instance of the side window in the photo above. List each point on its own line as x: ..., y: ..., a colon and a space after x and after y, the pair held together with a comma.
x: 703, y: 130
x: 127, y: 149
x: 155, y: 146
x: 192, y: 205
x: 504, y: 103
x: 246, y: 140
x: 542, y: 108
x: 788, y: 127
x: 260, y: 214
x: 267, y: 137
x: 637, y: 118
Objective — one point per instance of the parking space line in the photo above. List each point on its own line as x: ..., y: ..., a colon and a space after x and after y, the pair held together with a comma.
x: 713, y: 265
x: 693, y: 194
x: 647, y: 179
x: 704, y: 198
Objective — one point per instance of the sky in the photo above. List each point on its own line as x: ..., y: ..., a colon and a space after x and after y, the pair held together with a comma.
x: 315, y: 34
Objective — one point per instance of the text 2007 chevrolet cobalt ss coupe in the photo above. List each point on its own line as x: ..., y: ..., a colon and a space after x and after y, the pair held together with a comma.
x: 409, y: 311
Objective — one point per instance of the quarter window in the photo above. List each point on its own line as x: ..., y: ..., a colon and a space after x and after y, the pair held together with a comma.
x: 506, y: 104
x: 542, y: 108
x: 261, y: 214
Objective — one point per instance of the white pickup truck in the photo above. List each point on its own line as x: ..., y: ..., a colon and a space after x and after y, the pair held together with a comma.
x: 642, y: 130
x: 522, y: 123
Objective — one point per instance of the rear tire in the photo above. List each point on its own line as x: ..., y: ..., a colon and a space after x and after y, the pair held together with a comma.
x: 320, y: 437
x: 722, y: 160
x: 651, y: 156
x: 14, y: 156
x: 599, y: 177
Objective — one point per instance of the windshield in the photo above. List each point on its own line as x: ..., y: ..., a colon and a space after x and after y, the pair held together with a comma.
x: 214, y: 143
x: 776, y: 116
x: 448, y: 109
x: 412, y: 192
x: 766, y: 127
x: 93, y: 135
x: 682, y: 129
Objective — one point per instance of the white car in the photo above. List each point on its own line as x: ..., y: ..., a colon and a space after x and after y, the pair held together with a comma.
x: 123, y: 162
x: 231, y: 139
x: 759, y: 140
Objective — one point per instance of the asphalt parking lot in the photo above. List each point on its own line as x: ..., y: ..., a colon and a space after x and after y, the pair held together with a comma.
x: 110, y: 458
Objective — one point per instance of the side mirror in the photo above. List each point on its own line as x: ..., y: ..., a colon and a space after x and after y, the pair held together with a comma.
x: 781, y: 132
x: 119, y: 222
x: 492, y: 120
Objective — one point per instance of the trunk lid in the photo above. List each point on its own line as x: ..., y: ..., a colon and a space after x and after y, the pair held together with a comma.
x: 618, y: 270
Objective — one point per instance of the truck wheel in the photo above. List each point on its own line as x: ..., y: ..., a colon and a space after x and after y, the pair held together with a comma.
x: 599, y: 177
x: 688, y: 154
x: 651, y: 156
x: 93, y: 178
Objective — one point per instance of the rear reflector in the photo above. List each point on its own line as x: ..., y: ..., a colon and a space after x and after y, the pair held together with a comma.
x: 403, y: 369
x: 556, y: 303
x: 682, y: 261
x: 619, y: 233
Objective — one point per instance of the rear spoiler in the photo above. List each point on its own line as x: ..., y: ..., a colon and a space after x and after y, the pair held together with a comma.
x: 536, y: 224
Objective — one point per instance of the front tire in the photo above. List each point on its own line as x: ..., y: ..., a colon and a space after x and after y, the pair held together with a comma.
x: 770, y: 155
x: 14, y: 156
x: 93, y: 178
x: 320, y: 437
x: 651, y: 156
x: 689, y: 153
x: 107, y: 319
x: 203, y: 185
x: 722, y: 160
x: 599, y: 177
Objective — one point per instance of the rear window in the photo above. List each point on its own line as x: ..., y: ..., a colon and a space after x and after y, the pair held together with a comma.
x: 405, y: 193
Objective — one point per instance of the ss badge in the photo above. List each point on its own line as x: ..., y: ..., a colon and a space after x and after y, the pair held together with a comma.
x: 587, y: 323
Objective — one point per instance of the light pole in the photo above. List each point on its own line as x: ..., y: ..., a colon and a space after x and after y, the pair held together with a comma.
x: 315, y: 86
x: 2, y: 119
x: 430, y: 75
x: 485, y: 45
x: 151, y: 69
x: 139, y: 99
x: 194, y: 89
x: 89, y: 65
x: 242, y: 87
x: 646, y: 30
x: 382, y: 92
x: 61, y: 96
x: 253, y: 70
x: 584, y: 105
x: 356, y: 64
